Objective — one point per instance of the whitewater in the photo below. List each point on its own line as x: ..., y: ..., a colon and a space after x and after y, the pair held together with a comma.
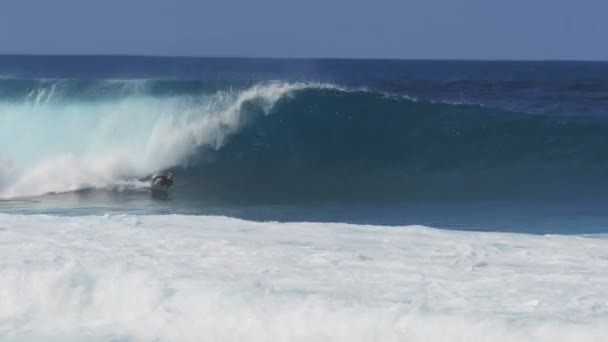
x: 211, y: 278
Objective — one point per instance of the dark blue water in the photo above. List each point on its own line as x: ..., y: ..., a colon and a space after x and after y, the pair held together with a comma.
x: 515, y: 146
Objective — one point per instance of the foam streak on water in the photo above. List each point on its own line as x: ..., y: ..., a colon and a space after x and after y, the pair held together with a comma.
x: 187, y: 278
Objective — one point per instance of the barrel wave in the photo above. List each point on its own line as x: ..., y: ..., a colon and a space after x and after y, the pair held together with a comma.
x: 279, y: 142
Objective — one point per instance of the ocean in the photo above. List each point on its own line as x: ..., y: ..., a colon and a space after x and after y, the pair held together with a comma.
x: 314, y: 200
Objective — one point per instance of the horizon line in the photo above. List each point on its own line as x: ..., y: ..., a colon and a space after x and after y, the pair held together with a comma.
x: 355, y: 58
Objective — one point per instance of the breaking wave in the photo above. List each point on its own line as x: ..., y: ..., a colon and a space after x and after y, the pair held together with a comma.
x: 281, y: 141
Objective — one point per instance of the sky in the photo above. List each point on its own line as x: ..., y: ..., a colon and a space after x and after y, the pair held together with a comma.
x: 434, y: 29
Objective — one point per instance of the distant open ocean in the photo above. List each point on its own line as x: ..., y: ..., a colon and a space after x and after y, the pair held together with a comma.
x: 314, y: 200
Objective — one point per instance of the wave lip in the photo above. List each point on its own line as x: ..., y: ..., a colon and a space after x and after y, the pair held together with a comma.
x: 190, y: 278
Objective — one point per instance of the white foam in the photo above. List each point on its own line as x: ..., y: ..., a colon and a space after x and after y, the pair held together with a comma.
x: 56, y: 147
x: 186, y: 278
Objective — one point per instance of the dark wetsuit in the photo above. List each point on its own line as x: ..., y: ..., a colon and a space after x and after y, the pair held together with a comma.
x: 163, y: 180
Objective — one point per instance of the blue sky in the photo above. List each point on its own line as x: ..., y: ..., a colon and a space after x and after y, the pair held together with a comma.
x: 440, y: 29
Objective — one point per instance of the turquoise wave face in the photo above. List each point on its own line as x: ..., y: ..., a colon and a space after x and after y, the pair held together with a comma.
x: 365, y: 146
